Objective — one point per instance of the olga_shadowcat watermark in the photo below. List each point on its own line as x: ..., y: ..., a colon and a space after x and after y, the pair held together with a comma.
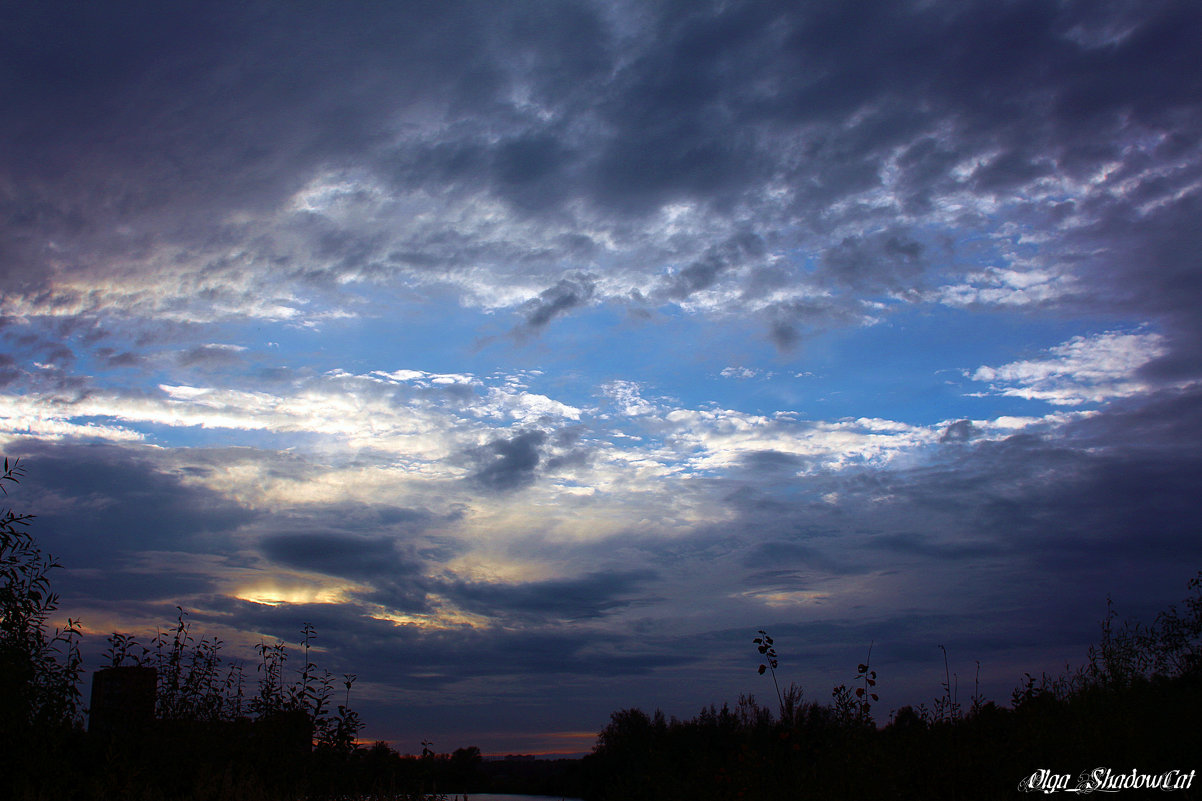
x: 1105, y: 780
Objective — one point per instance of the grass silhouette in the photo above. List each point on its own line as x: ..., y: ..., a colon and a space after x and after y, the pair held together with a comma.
x: 174, y: 719
x: 1134, y: 704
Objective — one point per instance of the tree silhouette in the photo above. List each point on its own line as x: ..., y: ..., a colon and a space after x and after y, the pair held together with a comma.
x: 39, y: 669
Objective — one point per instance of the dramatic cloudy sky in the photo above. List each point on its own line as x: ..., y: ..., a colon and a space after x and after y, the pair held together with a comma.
x: 539, y: 353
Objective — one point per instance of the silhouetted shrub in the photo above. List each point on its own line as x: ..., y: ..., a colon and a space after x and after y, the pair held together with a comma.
x: 39, y: 670
x: 1134, y: 704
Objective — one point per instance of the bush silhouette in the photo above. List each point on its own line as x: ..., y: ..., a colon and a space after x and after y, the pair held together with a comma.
x: 175, y: 719
x: 1133, y: 705
x: 40, y: 702
x: 168, y: 721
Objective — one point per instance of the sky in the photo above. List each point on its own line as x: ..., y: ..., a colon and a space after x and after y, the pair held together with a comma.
x: 540, y: 353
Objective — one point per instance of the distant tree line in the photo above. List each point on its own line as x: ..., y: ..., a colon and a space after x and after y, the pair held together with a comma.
x: 183, y: 723
x: 202, y: 735
x: 1135, y: 704
x: 174, y: 719
x: 171, y: 718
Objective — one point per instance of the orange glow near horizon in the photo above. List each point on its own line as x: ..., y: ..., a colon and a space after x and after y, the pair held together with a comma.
x: 554, y: 743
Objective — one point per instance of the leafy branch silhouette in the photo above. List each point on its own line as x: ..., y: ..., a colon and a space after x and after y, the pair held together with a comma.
x: 768, y: 650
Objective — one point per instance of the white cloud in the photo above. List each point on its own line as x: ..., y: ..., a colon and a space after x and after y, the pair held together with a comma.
x: 745, y: 372
x: 526, y: 407
x: 23, y: 416
x: 1007, y: 286
x: 168, y: 283
x: 424, y: 379
x: 720, y: 438
x: 628, y: 395
x: 417, y: 419
x: 1082, y: 370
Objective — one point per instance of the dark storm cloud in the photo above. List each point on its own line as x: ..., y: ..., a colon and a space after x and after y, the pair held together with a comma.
x: 32, y: 346
x: 411, y: 657
x: 390, y: 549
x: 293, y: 66
x: 113, y: 152
x: 577, y: 457
x: 335, y: 554
x: 100, y: 509
x: 1127, y: 492
x: 783, y: 334
x: 1105, y: 502
x: 102, y: 502
x: 786, y: 557
x: 923, y: 545
x: 1022, y: 538
x: 139, y: 585
x: 755, y: 501
x: 678, y: 127
x: 543, y: 105
x: 1154, y: 270
x: 959, y: 431
x: 588, y: 596
x: 740, y: 249
x: 9, y: 372
x: 509, y: 464
x: 60, y: 356
x: 529, y: 170
x: 122, y: 66
x: 1039, y: 86
x: 873, y: 264
x: 558, y: 300
x: 1104, y: 505
x: 536, y: 654
x: 790, y: 321
x: 209, y: 357
x: 1115, y: 491
x: 110, y: 357
x: 772, y: 462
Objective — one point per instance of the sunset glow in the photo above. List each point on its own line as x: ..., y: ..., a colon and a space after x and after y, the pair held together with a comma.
x: 540, y: 353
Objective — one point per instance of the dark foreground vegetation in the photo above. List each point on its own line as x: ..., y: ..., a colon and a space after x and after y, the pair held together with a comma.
x: 171, y: 719
x: 1135, y: 706
x: 816, y: 751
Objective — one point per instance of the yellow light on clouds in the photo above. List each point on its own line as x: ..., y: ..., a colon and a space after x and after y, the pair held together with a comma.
x: 276, y: 594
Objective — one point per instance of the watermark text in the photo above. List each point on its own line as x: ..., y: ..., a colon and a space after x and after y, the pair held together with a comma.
x: 1105, y: 780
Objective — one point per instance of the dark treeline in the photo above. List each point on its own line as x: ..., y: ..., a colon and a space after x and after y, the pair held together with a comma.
x: 172, y: 719
x: 1135, y: 705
